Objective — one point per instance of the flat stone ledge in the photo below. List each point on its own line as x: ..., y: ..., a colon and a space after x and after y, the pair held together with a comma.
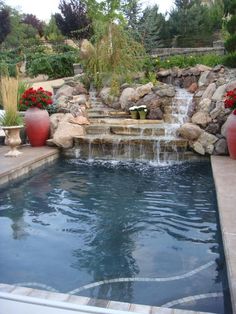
x: 224, y: 173
x: 12, y: 168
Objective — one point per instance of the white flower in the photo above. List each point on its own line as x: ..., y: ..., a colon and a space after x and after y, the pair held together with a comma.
x: 133, y: 108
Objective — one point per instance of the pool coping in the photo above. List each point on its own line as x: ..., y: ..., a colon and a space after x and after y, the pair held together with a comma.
x: 223, y: 173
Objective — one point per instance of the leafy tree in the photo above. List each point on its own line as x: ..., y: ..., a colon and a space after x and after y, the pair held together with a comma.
x: 5, y: 25
x: 32, y: 20
x: 114, y: 54
x: 51, y: 31
x: 21, y: 34
x: 73, y: 20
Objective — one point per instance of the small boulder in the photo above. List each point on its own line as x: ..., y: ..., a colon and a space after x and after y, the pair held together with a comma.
x: 221, y: 147
x: 65, y: 90
x: 231, y: 86
x: 192, y: 88
x: 201, y: 118
x: 206, y: 105
x: 144, y: 90
x: 219, y: 93
x: 210, y: 90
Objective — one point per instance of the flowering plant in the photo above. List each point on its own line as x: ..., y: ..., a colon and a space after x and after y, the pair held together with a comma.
x: 39, y: 98
x: 230, y: 100
x: 138, y: 108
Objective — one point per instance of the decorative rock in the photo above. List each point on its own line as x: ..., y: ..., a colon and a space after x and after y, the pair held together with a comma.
x: 79, y: 99
x: 56, y: 118
x: 219, y: 109
x: 206, y: 105
x: 231, y: 85
x: 61, y: 103
x: 168, y: 91
x: 65, y: 90
x: 202, y: 68
x: 210, y: 90
x: 107, y: 98
x: 221, y: 147
x: 203, y: 78
x: 213, y: 128
x: 190, y: 131
x: 63, y: 137
x: 198, y: 148
x: 144, y: 90
x: 79, y: 120
x: 163, y: 73
x: 193, y: 87
x: 219, y: 93
x: 207, y: 140
x: 127, y: 97
x: 201, y: 118
x: 79, y: 89
x: 146, y: 100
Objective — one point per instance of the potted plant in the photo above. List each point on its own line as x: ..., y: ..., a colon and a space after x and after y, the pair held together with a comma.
x: 11, y: 121
x: 134, y: 112
x: 142, y: 111
x: 230, y: 103
x: 35, y: 102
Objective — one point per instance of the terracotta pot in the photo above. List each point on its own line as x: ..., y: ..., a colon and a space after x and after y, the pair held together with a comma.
x: 231, y: 135
x: 37, y: 126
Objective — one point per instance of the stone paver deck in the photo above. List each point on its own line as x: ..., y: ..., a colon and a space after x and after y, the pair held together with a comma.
x: 31, y: 158
x: 224, y: 172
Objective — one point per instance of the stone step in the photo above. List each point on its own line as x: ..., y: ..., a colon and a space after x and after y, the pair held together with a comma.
x: 124, y: 121
x: 135, y: 130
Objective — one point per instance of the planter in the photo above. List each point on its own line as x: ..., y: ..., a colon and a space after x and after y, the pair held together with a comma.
x: 13, y: 139
x: 142, y: 115
x: 134, y: 114
x: 231, y: 135
x: 37, y: 124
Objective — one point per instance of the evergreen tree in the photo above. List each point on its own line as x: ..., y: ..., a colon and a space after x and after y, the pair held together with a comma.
x: 5, y: 25
x: 152, y: 28
x: 230, y: 10
x: 51, y: 30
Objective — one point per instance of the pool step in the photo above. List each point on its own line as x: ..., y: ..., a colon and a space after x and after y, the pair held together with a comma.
x: 123, y: 147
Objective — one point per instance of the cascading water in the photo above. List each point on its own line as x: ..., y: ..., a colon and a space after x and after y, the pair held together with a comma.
x: 127, y: 139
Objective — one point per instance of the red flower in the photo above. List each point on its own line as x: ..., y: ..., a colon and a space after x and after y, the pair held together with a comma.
x: 230, y: 100
x: 35, y: 98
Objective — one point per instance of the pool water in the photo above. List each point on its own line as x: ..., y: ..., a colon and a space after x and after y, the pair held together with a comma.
x: 125, y: 232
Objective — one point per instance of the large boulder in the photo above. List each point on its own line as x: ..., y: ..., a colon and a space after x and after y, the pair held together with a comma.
x: 56, y: 118
x: 63, y: 137
x: 231, y: 86
x: 221, y: 147
x: 190, y: 131
x: 107, y: 97
x: 164, y: 90
x: 128, y: 96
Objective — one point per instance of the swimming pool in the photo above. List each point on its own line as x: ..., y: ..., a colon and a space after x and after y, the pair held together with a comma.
x: 127, y: 232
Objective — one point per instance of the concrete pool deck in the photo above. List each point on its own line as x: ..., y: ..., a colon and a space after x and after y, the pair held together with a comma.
x: 28, y: 300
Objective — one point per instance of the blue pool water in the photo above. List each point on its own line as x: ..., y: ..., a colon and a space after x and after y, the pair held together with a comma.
x: 150, y: 232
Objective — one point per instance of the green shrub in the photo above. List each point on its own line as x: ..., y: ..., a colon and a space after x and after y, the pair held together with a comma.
x: 231, y: 25
x: 55, y: 66
x: 230, y: 44
x: 230, y: 60
x: 183, y: 61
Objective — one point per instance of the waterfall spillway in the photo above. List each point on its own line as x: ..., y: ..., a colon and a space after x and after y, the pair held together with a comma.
x: 111, y: 137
